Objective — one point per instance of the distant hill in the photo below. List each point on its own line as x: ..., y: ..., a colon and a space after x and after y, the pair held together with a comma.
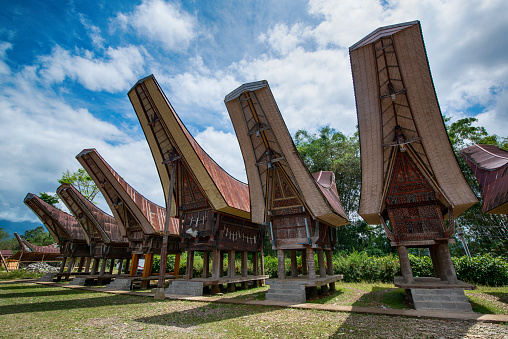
x: 19, y: 227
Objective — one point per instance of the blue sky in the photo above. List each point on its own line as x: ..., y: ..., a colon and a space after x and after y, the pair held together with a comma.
x: 66, y: 67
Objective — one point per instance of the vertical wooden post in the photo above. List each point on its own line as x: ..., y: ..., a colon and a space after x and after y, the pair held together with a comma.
x: 405, y: 266
x: 321, y: 263
x: 120, y: 265
x: 231, y: 263
x: 262, y: 262
x: 294, y: 264
x: 310, y: 262
x: 70, y: 265
x: 216, y: 269
x: 95, y: 266
x: 305, y: 270
x: 81, y: 263
x: 190, y: 265
x: 62, y: 265
x: 103, y: 267
x: 147, y: 270
x: 206, y: 264
x: 134, y: 265
x: 329, y: 268
x: 176, y: 269
x: 445, y: 260
x: 87, y: 264
x: 255, y: 263
x: 281, y: 265
x: 112, y: 266
x: 127, y: 266
x: 244, y: 268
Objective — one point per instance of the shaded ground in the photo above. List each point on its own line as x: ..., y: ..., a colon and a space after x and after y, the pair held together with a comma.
x: 29, y: 310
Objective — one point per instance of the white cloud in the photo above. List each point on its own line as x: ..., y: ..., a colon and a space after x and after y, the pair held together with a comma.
x: 225, y: 150
x: 161, y: 21
x: 116, y: 72
x: 283, y: 39
x: 93, y: 31
x: 4, y: 68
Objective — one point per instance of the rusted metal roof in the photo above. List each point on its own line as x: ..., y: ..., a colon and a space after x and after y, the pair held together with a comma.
x: 96, y: 223
x: 267, y: 147
x: 166, y: 133
x: 490, y: 166
x: 123, y: 200
x: 26, y: 246
x: 62, y: 226
x: 398, y: 109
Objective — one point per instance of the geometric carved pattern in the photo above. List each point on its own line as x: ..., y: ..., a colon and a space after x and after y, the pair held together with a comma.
x: 412, y: 204
x: 283, y: 194
x: 191, y: 195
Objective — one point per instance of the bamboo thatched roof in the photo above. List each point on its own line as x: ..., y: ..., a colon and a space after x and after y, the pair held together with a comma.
x: 127, y: 204
x: 267, y: 146
x: 166, y: 134
x: 61, y: 225
x: 96, y: 223
x: 393, y: 87
x: 490, y: 166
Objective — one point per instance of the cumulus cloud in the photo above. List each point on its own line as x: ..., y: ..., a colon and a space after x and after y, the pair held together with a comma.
x: 117, y: 71
x: 4, y: 68
x: 94, y: 32
x: 162, y: 22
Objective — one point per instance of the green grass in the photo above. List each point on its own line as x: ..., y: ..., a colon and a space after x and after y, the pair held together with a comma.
x: 489, y: 300
x: 18, y: 274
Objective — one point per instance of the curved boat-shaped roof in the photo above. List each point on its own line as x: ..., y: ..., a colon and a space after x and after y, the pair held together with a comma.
x: 265, y: 142
x: 61, y: 225
x: 27, y: 246
x: 165, y: 133
x: 96, y: 223
x: 394, y: 92
x: 121, y: 197
x: 490, y: 166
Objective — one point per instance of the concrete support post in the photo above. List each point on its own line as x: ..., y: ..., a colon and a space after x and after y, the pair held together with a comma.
x: 436, y: 263
x: 294, y: 264
x: 206, y: 264
x: 244, y: 268
x: 95, y: 266
x: 305, y: 271
x: 405, y: 266
x: 310, y: 263
x: 321, y: 263
x: 281, y: 265
x: 447, y: 264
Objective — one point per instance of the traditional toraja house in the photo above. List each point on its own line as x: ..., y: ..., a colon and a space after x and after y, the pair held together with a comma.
x: 30, y: 253
x: 411, y: 181
x: 298, y: 208
x: 212, y: 206
x: 101, y: 230
x: 65, y: 230
x: 490, y: 166
x: 139, y: 219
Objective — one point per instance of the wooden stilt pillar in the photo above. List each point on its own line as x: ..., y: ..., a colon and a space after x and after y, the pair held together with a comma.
x: 329, y: 268
x: 255, y: 263
x: 62, y: 265
x: 95, y: 266
x: 321, y: 263
x: 310, y: 263
x: 405, y: 266
x: 190, y: 265
x: 216, y: 262
x: 445, y: 260
x: 134, y: 265
x: 281, y: 265
x: 103, y: 267
x: 112, y: 266
x: 176, y: 269
x: 206, y: 264
x: 231, y: 263
x: 436, y: 263
x: 305, y: 270
x: 127, y: 266
x: 120, y: 265
x: 244, y: 268
x: 221, y: 264
x: 81, y: 263
x: 88, y: 262
x: 262, y: 255
x: 294, y: 264
x: 147, y: 270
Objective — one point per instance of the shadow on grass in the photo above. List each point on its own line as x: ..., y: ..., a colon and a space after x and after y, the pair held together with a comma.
x: 70, y: 304
x: 210, y: 313
x: 41, y: 293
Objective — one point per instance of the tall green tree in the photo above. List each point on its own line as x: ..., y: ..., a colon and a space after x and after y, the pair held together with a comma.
x: 7, y: 242
x: 485, y: 233
x: 48, y: 198
x: 38, y: 236
x: 82, y: 181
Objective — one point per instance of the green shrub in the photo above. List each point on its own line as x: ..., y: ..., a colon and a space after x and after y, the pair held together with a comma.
x: 482, y: 270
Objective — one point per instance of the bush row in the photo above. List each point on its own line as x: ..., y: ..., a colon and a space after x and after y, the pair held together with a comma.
x: 359, y: 266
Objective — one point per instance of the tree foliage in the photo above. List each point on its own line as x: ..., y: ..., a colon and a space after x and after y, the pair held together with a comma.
x: 82, y: 181
x: 48, y: 198
x: 485, y: 233
x: 38, y: 236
